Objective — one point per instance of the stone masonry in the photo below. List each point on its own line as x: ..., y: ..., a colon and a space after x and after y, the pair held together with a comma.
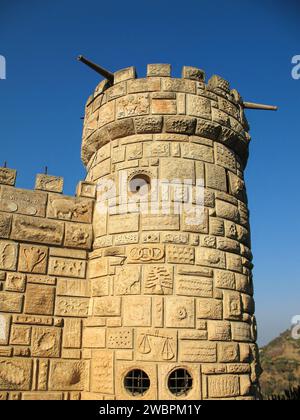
x: 93, y: 287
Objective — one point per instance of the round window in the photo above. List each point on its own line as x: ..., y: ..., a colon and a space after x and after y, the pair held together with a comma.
x: 180, y: 382
x: 137, y: 382
x: 140, y: 184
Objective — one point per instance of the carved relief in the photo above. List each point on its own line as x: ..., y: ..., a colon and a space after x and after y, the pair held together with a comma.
x: 133, y: 105
x: 42, y: 375
x: 241, y: 331
x: 128, y: 281
x: 107, y: 306
x: 219, y: 330
x: 119, y: 338
x: 5, y: 225
x: 180, y: 312
x: 68, y: 208
x: 39, y: 299
x: 15, y: 282
x: 146, y: 253
x: 232, y: 305
x: 175, y: 238
x: 158, y: 280
x: 197, y: 351
x: 209, y: 309
x: 33, y: 259
x: 126, y: 238
x: 49, y: 183
x: 72, y: 333
x: 8, y: 255
x: 180, y: 254
x: 15, y: 374
x: 210, y: 257
x: 78, y: 236
x: 67, y: 267
x: 72, y: 287
x: 23, y: 201
x: 46, y: 342
x: 20, y: 335
x: 11, y: 302
x: 137, y: 312
x: 67, y: 375
x: 156, y: 345
x: 102, y: 371
x: 7, y: 176
x: 219, y: 386
x: 33, y: 229
x: 194, y: 286
x: 71, y: 306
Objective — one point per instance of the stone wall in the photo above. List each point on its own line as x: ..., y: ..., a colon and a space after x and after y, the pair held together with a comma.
x: 119, y: 279
x: 44, y: 293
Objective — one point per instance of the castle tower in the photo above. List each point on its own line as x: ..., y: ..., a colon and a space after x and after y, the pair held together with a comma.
x: 171, y: 307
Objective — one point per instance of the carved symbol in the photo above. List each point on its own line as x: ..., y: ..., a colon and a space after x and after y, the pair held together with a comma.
x: 167, y: 352
x: 65, y: 209
x: 146, y: 254
x: 158, y: 279
x: 33, y: 257
x: 7, y: 256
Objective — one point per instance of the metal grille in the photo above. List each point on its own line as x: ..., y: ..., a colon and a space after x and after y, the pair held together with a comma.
x: 137, y: 382
x: 180, y: 382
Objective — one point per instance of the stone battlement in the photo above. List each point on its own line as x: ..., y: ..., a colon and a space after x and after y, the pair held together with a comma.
x: 161, y: 105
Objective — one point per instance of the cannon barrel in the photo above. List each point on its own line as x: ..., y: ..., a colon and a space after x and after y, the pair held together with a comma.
x: 105, y: 73
x: 252, y: 105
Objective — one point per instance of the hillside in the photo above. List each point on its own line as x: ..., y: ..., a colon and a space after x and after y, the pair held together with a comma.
x: 280, y: 360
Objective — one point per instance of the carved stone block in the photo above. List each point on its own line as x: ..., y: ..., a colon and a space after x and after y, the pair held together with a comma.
x: 49, y: 183
x: 71, y: 306
x: 34, y: 229
x: 137, y: 312
x: 15, y: 374
x: 78, y: 235
x: 128, y: 281
x: 180, y: 312
x: 158, y: 280
x: 209, y: 309
x: 8, y: 176
x: 5, y: 225
x: 107, y: 306
x: 8, y: 255
x: 221, y: 386
x: 197, y: 351
x: 228, y: 352
x: 20, y: 335
x: 192, y: 285
x: 119, y: 338
x: 69, y: 208
x: 72, y: 333
x: 241, y: 331
x: 145, y: 253
x: 25, y: 202
x: 15, y: 282
x: 11, y: 302
x: 232, y: 305
x: 93, y: 337
x: 39, y: 300
x: 219, y: 330
x: 33, y: 259
x: 67, y: 375
x: 180, y: 254
x: 46, y: 342
x: 102, y: 371
x: 156, y: 345
x: 210, y: 257
x: 67, y: 267
x: 4, y: 328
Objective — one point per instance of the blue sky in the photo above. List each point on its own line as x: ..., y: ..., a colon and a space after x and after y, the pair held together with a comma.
x: 251, y: 43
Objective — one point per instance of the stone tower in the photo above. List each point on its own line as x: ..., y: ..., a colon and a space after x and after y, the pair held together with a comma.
x: 171, y: 286
x: 140, y: 286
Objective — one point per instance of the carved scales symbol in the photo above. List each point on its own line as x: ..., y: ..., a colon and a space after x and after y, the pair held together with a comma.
x: 167, y: 349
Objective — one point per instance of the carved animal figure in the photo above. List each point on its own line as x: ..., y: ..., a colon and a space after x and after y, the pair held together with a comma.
x: 67, y: 209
